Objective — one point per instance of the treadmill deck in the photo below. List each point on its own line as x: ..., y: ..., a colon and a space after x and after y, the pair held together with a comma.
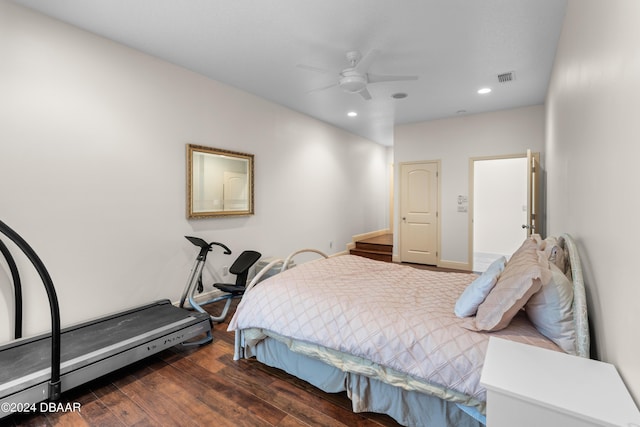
x: 94, y: 348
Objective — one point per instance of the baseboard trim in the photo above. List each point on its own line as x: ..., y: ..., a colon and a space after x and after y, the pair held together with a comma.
x: 201, y: 297
x: 455, y: 265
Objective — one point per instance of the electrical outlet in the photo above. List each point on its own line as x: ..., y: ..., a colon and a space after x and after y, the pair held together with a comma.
x: 225, y: 270
x: 330, y: 245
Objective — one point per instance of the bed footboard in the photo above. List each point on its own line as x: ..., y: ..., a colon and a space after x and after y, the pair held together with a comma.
x: 239, y: 340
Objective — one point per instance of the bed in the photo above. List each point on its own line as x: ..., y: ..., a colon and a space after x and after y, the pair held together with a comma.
x: 410, y: 342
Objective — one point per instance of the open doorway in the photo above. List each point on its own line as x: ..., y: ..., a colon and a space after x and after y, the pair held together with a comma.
x: 499, y: 206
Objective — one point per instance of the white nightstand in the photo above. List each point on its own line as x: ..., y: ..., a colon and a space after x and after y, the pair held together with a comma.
x: 530, y: 386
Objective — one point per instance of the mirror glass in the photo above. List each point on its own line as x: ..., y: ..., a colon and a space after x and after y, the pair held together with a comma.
x: 219, y: 182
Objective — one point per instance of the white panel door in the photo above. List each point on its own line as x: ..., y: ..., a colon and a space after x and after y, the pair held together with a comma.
x: 419, y: 213
x: 534, y: 217
x: 235, y: 191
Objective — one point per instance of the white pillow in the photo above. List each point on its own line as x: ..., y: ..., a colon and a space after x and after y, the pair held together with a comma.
x: 551, y: 310
x: 477, y: 291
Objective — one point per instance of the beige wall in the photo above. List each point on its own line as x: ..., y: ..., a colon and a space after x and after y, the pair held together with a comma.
x: 454, y: 141
x: 592, y: 148
x: 92, y: 171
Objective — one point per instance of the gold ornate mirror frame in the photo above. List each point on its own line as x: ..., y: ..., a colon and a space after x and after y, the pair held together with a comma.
x: 219, y: 182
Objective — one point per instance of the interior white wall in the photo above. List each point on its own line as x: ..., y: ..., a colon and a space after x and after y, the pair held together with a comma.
x: 592, y: 148
x: 454, y: 141
x: 92, y: 171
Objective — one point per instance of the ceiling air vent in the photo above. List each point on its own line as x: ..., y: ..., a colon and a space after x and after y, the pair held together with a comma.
x: 506, y: 77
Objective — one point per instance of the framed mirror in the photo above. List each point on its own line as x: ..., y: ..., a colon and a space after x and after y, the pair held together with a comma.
x: 219, y: 182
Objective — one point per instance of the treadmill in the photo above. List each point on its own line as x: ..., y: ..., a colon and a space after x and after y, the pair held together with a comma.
x: 41, y: 368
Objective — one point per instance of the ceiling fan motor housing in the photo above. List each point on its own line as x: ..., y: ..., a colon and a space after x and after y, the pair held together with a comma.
x: 351, y: 81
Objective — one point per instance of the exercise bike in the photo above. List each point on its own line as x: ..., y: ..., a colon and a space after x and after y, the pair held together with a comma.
x: 240, y: 268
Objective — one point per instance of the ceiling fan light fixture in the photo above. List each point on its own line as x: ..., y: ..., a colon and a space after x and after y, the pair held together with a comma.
x: 356, y: 78
x: 353, y: 82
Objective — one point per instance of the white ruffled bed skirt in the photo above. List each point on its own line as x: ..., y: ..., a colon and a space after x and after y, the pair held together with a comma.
x: 409, y: 408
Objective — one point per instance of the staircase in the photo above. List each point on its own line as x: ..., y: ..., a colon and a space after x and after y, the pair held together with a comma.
x: 379, y: 248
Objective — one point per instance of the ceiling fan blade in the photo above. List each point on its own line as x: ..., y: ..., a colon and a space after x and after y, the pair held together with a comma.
x: 312, y: 68
x: 365, y: 94
x: 374, y: 78
x: 322, y: 88
x: 363, y: 65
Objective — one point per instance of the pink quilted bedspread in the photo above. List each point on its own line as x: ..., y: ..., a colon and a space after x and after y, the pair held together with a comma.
x: 396, y: 316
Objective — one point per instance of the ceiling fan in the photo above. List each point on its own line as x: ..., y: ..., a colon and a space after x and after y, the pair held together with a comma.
x: 356, y: 77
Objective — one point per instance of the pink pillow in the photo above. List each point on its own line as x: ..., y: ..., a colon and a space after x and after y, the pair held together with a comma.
x: 521, y: 278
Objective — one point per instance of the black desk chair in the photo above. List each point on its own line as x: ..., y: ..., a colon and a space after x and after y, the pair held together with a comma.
x: 240, y: 268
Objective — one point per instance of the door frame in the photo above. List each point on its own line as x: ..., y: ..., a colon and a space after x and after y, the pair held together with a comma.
x: 438, y: 164
x: 472, y: 161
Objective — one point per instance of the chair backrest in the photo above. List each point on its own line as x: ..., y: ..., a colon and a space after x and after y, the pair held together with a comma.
x: 242, y: 264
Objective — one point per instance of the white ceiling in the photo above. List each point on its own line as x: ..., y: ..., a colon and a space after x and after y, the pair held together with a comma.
x: 454, y: 46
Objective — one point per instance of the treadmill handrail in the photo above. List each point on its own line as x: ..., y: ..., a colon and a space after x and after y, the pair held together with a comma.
x: 54, y: 382
x: 17, y: 287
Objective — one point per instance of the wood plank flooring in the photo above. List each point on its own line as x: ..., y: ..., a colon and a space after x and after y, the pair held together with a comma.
x: 202, y: 386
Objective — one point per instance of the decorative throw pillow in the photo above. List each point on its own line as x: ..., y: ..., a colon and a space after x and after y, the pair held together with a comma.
x: 551, y: 310
x: 467, y: 304
x: 555, y: 253
x: 539, y: 241
x: 520, y: 279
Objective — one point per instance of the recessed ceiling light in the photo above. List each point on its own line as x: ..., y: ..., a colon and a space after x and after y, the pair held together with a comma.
x: 352, y: 114
x: 484, y: 90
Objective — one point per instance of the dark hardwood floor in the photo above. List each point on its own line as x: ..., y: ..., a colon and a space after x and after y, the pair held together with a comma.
x: 201, y: 386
